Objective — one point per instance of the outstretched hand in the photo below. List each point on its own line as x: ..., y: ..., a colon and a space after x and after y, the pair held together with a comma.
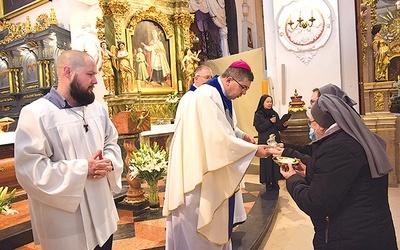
x: 249, y: 138
x: 263, y: 151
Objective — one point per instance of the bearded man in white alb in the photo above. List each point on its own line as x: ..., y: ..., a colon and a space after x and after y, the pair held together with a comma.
x: 68, y: 161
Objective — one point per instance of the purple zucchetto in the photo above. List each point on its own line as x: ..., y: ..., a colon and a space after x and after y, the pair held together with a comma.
x: 240, y: 64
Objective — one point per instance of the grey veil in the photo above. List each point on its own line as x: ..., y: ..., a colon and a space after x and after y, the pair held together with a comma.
x: 351, y: 123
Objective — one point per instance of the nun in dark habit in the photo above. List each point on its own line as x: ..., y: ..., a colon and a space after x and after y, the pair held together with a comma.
x: 344, y: 187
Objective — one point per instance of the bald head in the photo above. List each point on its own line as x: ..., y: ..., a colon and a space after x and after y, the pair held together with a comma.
x: 73, y: 59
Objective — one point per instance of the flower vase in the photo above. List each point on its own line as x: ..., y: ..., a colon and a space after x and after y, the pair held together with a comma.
x: 154, y: 200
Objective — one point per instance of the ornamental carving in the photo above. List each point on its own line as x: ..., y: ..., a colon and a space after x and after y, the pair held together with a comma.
x: 114, y: 7
x: 100, y: 29
x: 185, y: 20
x: 379, y: 101
x: 304, y: 27
x: 153, y: 15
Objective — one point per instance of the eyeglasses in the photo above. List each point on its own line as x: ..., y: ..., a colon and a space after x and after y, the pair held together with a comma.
x: 244, y: 87
x: 310, y: 122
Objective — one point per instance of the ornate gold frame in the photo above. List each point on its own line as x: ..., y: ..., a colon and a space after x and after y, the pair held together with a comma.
x: 162, y: 21
x: 27, y: 7
x: 121, y: 18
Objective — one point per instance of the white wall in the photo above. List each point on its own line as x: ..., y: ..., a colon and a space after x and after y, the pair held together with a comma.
x: 335, y: 62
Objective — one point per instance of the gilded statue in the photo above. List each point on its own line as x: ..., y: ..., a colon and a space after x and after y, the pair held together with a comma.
x: 106, y: 68
x: 189, y: 63
x: 125, y: 68
x: 381, y: 53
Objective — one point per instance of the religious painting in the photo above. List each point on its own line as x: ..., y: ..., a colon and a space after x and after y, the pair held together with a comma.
x: 249, y: 38
x: 4, y: 85
x: 394, y: 69
x: 13, y: 8
x: 151, y: 57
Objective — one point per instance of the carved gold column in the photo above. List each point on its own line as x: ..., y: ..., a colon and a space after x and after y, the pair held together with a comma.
x: 41, y: 76
x: 116, y: 9
x: 182, y: 22
x: 367, y: 19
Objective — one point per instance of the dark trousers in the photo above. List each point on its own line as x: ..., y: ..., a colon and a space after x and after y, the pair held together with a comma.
x: 107, y: 245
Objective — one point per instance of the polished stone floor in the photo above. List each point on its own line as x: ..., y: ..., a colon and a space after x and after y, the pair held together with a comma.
x: 291, y: 228
x: 145, y: 230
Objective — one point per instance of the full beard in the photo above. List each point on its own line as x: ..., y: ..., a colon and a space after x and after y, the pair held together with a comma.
x: 81, y: 95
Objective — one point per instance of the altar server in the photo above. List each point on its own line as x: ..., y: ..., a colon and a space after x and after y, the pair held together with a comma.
x: 68, y: 161
x: 207, y: 162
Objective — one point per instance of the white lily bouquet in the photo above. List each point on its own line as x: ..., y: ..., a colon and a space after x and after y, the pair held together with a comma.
x: 5, y: 201
x: 173, y: 101
x: 149, y: 163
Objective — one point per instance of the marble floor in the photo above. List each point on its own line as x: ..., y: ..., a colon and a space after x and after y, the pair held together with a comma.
x: 291, y: 228
x: 144, y: 229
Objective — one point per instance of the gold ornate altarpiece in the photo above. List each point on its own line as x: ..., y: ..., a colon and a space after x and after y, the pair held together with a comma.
x: 370, y: 15
x: 121, y: 22
x: 377, y: 95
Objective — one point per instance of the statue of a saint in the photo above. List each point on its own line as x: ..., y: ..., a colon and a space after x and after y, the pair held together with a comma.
x: 106, y: 68
x: 381, y: 53
x: 189, y: 63
x: 124, y: 66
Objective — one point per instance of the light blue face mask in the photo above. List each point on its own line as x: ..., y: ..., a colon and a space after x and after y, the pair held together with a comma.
x: 312, y: 135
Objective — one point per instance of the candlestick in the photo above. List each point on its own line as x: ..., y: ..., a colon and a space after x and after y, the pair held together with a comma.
x: 180, y: 87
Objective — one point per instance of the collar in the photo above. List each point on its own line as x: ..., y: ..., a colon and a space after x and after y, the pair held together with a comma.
x: 58, y: 100
x: 222, y: 86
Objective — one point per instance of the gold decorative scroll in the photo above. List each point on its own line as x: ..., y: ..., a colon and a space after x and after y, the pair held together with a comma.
x: 153, y: 15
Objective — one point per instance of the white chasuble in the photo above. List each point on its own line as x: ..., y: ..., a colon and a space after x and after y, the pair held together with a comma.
x: 206, y: 165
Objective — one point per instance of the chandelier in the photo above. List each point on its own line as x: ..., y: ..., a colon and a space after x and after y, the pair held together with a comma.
x: 301, y: 23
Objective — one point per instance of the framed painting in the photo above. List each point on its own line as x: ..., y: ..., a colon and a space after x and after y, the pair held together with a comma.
x: 4, y: 85
x: 249, y: 38
x: 13, y: 8
x: 153, y: 51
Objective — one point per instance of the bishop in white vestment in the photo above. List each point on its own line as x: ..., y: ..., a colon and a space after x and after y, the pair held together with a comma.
x: 207, y: 163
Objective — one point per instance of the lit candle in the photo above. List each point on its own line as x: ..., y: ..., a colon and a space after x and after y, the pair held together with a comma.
x: 180, y: 87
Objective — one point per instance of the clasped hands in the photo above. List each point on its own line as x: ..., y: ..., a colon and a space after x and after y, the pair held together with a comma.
x: 99, y: 167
